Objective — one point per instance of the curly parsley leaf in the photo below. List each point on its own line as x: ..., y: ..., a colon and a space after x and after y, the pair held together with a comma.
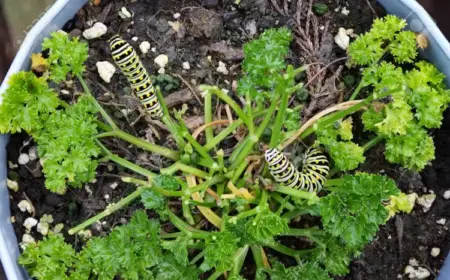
x: 171, y: 269
x: 404, y: 47
x: 309, y: 270
x: 219, y: 251
x: 50, y: 258
x: 354, y: 211
x: 153, y: 200
x: 26, y: 104
x: 265, y: 226
x: 412, y: 150
x: 67, y: 146
x: 66, y: 55
x: 179, y: 249
x: 335, y: 256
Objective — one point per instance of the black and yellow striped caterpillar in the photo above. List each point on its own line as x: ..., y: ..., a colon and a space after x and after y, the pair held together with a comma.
x: 312, y: 177
x: 128, y: 61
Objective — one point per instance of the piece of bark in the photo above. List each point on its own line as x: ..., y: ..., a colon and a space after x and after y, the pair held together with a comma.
x: 180, y: 97
x: 227, y: 52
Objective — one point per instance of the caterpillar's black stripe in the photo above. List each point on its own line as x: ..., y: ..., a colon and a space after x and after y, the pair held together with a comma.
x: 128, y: 61
x: 312, y: 177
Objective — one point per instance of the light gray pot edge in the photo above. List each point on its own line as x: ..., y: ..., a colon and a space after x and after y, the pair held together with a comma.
x: 63, y: 10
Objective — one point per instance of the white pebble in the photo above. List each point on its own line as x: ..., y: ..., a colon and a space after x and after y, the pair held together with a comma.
x: 114, y: 185
x: 43, y: 228
x: 322, y: 27
x: 162, y: 60
x: 98, y: 30
x: 12, y: 185
x: 144, y: 47
x: 32, y: 153
x: 27, y: 238
x: 342, y: 39
x: 135, y: 38
x: 186, y: 65
x: 417, y: 273
x: 413, y: 262
x: 426, y: 201
x: 222, y: 68
x: 176, y: 15
x: 447, y: 194
x: 435, y: 252
x: 344, y: 11
x: 29, y: 223
x: 349, y: 31
x: 162, y: 71
x: 107, y: 196
x: 154, y: 49
x: 23, y: 159
x: 24, y: 205
x: 441, y: 221
x: 12, y: 219
x: 106, y: 70
x: 65, y: 92
x: 125, y: 13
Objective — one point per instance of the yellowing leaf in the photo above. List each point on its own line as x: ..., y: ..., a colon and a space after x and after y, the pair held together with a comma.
x: 38, y: 63
x: 402, y: 202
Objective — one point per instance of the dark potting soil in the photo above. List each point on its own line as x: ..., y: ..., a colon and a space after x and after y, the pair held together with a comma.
x: 205, y: 25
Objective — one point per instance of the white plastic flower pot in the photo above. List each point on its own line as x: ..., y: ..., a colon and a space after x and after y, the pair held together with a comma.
x: 418, y: 19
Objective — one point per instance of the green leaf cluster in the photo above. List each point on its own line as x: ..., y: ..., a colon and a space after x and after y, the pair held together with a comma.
x: 419, y: 95
x: 65, y: 55
x: 131, y: 251
x: 67, y: 147
x: 26, y: 104
x: 219, y: 251
x: 264, y: 64
x: 308, y: 270
x: 385, y: 36
x: 354, y: 211
x: 346, y: 154
x: 265, y: 226
x: 153, y: 200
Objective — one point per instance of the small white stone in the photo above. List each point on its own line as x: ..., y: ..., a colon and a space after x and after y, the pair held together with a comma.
x: 12, y: 185
x: 209, y: 58
x: 251, y: 28
x: 222, y: 68
x: 417, y: 273
x: 114, y: 185
x: 441, y: 221
x: 186, y: 65
x: 98, y: 30
x: 27, y: 238
x: 65, y: 92
x: 344, y: 11
x: 153, y: 49
x: 29, y: 223
x: 162, y: 60
x: 32, y: 153
x: 125, y: 13
x: 176, y: 15
x: 11, y: 165
x: 322, y: 27
x: 23, y: 159
x: 349, y: 31
x: 24, y: 205
x: 435, y: 252
x: 106, y: 70
x: 447, y: 194
x: 88, y: 189
x: 413, y: 262
x: 342, y: 39
x: 426, y: 201
x: 43, y: 228
x: 162, y: 71
x: 107, y: 196
x: 144, y: 47
x: 135, y: 38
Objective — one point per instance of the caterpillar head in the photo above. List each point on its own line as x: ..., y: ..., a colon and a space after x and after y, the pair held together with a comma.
x: 269, y: 154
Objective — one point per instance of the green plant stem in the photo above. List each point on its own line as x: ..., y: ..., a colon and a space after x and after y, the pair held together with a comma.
x: 222, y: 95
x: 204, y: 204
x: 215, y: 275
x: 102, y: 111
x: 288, y: 251
x: 280, y: 118
x: 168, y: 121
x: 252, y: 140
x: 377, y: 139
x: 222, y: 135
x: 125, y: 163
x: 185, y: 205
x: 109, y: 210
x: 277, y: 197
x: 178, y: 166
x: 172, y: 235
x: 311, y: 233
x: 311, y: 196
x: 357, y: 90
x: 238, y: 260
x: 168, y: 153
x: 208, y: 118
x: 198, y: 257
x: 185, y: 228
x: 258, y: 256
x: 341, y: 114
